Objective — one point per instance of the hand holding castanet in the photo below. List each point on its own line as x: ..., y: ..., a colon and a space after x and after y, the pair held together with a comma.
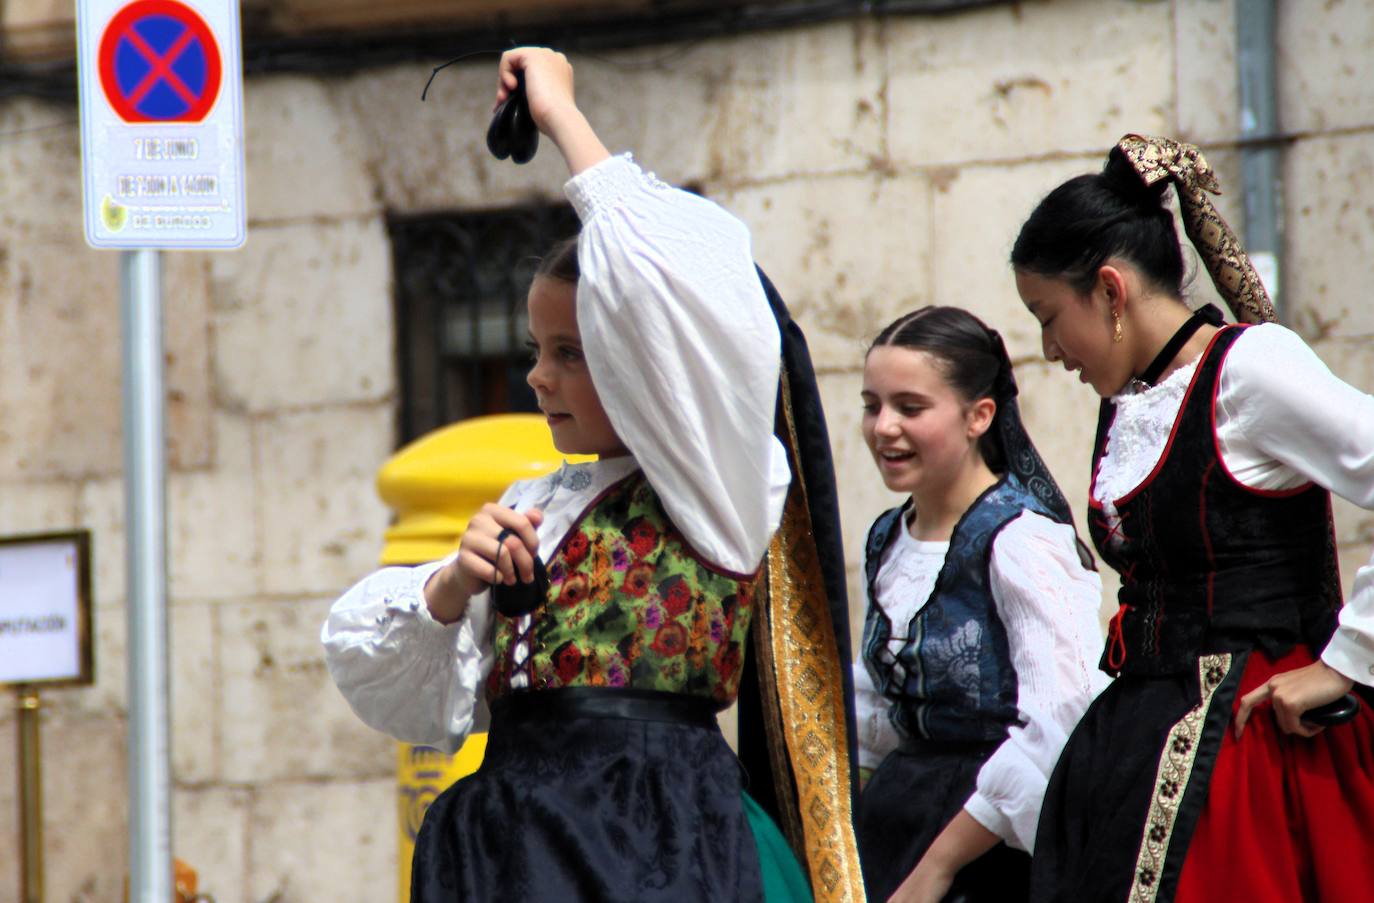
x: 499, y: 547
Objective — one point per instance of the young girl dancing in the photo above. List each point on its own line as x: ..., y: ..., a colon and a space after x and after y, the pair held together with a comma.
x: 605, y: 776
x: 982, y: 619
x: 1217, y: 447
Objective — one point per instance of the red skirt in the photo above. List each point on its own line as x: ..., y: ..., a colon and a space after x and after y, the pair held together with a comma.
x: 1287, y: 818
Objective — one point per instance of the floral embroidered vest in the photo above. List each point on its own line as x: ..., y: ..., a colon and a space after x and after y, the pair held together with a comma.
x: 953, y: 680
x: 631, y: 604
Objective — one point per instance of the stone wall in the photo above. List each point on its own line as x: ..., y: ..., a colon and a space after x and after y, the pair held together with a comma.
x: 881, y: 164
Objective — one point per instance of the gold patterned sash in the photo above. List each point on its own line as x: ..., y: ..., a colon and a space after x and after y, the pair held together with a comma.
x: 801, y: 661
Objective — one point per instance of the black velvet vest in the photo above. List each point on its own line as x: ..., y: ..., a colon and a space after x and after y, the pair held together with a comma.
x: 1207, y: 564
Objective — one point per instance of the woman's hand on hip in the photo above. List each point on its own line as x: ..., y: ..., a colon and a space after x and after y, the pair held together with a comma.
x: 1292, y: 693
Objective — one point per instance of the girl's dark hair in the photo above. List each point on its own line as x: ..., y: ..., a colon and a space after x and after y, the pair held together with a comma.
x: 971, y: 356
x: 1091, y: 218
x: 561, y: 262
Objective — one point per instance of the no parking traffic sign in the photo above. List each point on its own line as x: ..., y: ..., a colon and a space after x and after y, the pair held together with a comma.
x: 159, y: 62
x: 161, y: 123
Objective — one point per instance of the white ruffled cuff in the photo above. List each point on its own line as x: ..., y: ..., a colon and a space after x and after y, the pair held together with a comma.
x: 408, y: 600
x: 1351, y: 648
x: 607, y: 185
x: 1349, y: 653
x: 401, y: 671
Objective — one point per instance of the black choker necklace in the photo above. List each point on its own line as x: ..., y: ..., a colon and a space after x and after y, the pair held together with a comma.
x: 1207, y: 314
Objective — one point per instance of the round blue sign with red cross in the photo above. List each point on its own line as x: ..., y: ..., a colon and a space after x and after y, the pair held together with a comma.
x: 159, y: 62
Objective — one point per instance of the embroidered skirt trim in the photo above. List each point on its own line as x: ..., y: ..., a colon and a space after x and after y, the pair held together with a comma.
x: 1182, y: 746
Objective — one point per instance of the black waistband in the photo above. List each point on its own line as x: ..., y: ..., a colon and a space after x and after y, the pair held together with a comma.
x: 605, y: 702
x: 921, y: 746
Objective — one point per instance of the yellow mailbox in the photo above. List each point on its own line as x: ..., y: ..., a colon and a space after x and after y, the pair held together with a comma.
x: 434, y: 485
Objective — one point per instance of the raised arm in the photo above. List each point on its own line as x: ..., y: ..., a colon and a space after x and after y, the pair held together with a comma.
x: 682, y: 346
x: 549, y: 90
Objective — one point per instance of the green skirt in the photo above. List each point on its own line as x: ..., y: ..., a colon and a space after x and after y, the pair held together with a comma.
x: 783, y: 878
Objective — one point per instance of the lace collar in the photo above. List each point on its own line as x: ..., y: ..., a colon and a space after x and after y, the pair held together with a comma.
x: 1144, y: 419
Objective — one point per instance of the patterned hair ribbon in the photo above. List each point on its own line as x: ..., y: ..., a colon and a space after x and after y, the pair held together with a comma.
x: 1227, y: 263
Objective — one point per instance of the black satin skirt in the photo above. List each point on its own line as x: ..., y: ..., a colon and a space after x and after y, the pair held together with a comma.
x: 912, y: 795
x: 592, y: 803
x: 1097, y: 810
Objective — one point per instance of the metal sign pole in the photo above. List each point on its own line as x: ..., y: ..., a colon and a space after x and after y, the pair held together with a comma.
x: 162, y: 167
x: 150, y: 830
x: 30, y: 798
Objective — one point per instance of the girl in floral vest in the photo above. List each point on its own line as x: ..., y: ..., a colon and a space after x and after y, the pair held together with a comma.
x: 596, y: 618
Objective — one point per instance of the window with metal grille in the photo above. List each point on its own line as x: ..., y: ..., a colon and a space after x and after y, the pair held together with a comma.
x: 461, y: 326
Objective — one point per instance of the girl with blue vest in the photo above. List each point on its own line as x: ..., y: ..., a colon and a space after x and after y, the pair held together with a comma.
x: 605, y: 776
x: 982, y: 620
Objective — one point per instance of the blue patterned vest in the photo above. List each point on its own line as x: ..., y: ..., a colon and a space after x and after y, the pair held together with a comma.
x: 953, y: 680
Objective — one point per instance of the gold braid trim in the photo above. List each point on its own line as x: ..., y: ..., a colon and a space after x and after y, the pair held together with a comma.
x: 806, y: 669
x: 1222, y: 253
x: 1171, y: 781
x: 788, y: 814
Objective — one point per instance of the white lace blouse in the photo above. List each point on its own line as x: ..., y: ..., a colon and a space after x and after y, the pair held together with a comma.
x: 1283, y: 420
x: 684, y: 353
x: 1049, y: 605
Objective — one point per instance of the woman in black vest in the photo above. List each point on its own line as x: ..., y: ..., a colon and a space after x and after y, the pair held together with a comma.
x: 1216, y: 448
x: 982, y: 620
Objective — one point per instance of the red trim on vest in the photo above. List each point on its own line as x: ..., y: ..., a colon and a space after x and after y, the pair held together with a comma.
x: 1098, y: 456
x: 1173, y: 430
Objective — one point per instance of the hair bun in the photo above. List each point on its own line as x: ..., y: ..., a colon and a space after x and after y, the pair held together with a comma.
x: 1123, y: 180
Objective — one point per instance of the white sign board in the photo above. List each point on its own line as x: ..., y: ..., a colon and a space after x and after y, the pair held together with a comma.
x: 45, y: 609
x: 161, y: 123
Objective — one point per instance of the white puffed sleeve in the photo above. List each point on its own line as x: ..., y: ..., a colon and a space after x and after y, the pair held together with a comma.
x: 401, y: 671
x: 684, y: 353
x: 1049, y: 605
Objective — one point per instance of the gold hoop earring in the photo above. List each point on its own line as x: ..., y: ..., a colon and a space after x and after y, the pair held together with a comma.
x: 1117, y: 334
